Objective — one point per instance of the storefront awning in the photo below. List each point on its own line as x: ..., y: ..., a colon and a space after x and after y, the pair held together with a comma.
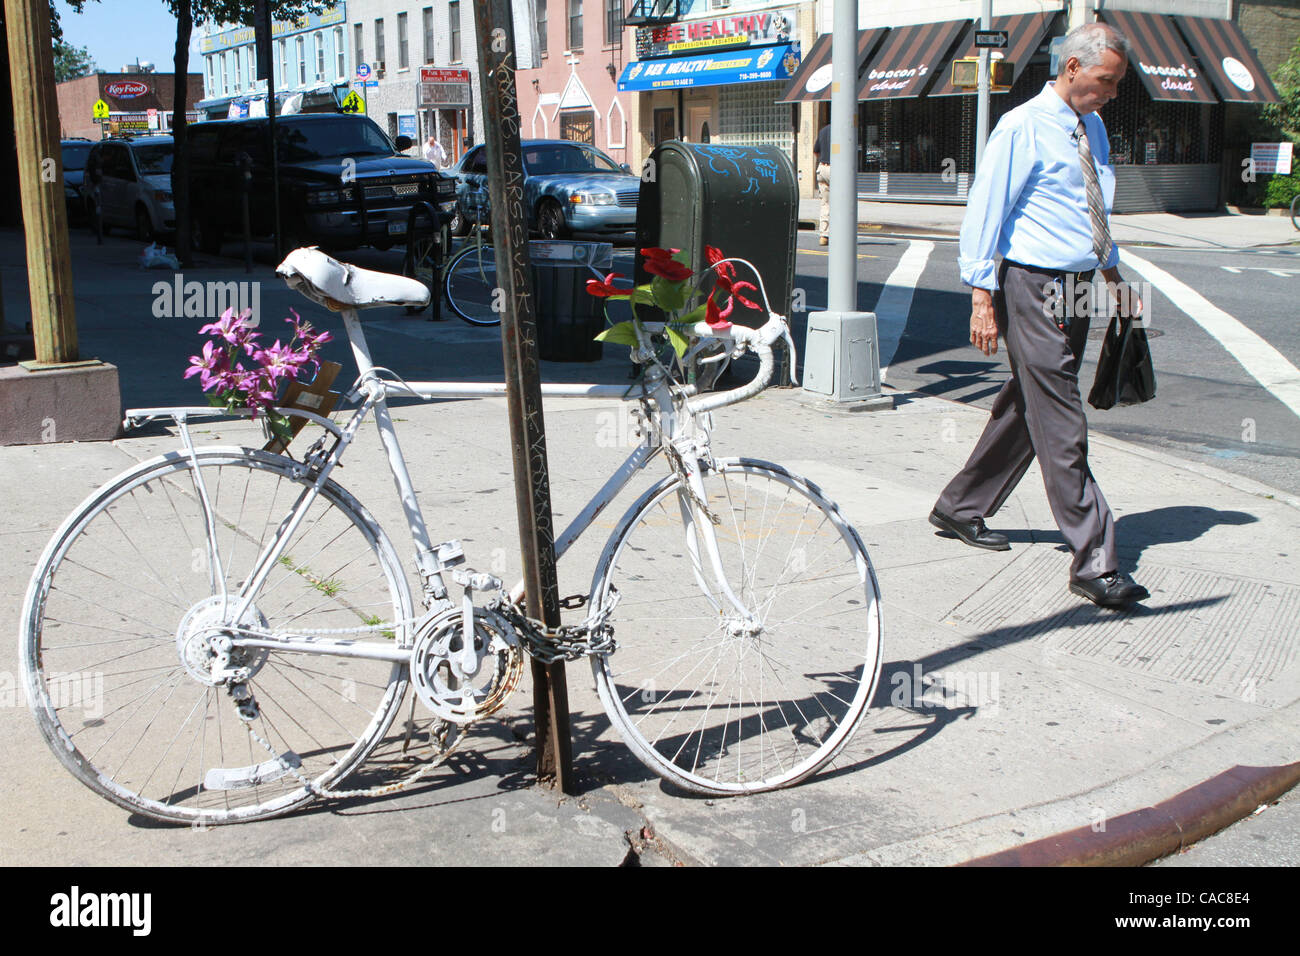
x: 1159, y: 57
x: 749, y: 65
x: 1025, y: 32
x: 1226, y: 55
x: 813, y: 81
x: 909, y: 59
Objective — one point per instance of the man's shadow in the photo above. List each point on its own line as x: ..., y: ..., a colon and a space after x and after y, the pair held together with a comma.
x: 1173, y: 524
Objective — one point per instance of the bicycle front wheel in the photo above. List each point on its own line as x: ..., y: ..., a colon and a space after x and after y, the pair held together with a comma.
x: 117, y: 652
x: 472, y: 287
x: 1295, y: 211
x: 726, y: 699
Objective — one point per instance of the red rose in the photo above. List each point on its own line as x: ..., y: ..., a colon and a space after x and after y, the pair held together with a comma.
x: 605, y: 289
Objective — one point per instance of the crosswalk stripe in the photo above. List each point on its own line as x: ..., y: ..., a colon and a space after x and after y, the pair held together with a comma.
x: 895, y: 302
x: 1261, y: 361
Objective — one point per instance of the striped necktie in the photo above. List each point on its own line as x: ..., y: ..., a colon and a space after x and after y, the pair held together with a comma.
x: 1101, y: 242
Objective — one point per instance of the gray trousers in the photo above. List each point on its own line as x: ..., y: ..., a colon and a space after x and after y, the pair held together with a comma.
x: 1038, y: 412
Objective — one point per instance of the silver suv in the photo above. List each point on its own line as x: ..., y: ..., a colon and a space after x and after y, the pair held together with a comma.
x: 130, y: 182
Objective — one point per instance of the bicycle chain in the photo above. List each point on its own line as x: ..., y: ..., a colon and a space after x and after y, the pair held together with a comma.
x: 568, y: 642
x: 679, y: 468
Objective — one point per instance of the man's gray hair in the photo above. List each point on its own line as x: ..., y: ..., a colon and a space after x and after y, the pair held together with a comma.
x: 1089, y: 42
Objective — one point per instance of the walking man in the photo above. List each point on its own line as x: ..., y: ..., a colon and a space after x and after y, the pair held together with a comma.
x: 434, y: 152
x: 822, y: 150
x: 1040, y: 201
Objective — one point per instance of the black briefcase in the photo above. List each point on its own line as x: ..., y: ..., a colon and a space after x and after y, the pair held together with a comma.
x: 1125, y: 375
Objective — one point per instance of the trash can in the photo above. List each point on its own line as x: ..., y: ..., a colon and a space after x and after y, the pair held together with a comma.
x: 741, y: 199
x: 568, y: 320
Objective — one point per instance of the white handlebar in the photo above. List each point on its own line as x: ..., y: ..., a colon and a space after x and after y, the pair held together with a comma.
x: 758, y: 340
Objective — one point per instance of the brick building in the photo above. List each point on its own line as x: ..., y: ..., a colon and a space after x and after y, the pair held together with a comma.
x: 130, y: 97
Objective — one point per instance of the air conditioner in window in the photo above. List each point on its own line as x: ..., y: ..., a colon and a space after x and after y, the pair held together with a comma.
x: 379, y: 70
x: 721, y: 4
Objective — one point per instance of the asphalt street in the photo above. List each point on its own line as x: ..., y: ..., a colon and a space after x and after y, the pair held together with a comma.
x: 1208, y: 408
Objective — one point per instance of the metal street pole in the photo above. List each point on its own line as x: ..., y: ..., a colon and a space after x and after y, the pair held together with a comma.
x: 841, y: 352
x: 982, y: 101
x: 496, y: 72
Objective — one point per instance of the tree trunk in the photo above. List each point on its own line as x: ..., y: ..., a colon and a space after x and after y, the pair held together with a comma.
x: 180, y: 161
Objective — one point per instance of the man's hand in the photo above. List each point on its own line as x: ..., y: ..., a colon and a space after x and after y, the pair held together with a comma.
x: 983, y: 327
x: 1128, y: 305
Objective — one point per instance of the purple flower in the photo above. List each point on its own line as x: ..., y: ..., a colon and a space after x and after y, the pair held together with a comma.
x: 231, y: 327
x: 280, y: 361
x: 210, y: 366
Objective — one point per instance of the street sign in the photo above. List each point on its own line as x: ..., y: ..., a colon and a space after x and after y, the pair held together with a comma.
x: 353, y: 103
x: 363, y: 70
x: 99, y: 110
x: 991, y: 39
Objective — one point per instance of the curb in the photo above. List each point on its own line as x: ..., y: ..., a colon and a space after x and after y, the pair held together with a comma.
x: 1141, y: 836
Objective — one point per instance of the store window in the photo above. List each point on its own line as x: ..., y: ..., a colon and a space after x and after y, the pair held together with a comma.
x: 575, y: 25
x: 453, y: 14
x: 403, y: 51
x: 748, y: 115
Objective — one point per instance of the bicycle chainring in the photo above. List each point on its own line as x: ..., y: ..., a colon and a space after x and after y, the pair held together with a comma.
x: 463, y: 685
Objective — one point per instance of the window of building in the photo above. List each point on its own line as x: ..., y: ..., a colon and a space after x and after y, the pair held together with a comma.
x: 300, y: 47
x: 238, y: 56
x: 358, y: 43
x: 427, y: 14
x: 613, y: 22
x: 403, y: 47
x: 282, y: 53
x: 340, y: 55
x: 453, y: 15
x: 541, y: 27
x: 225, y: 75
x: 318, y: 39
x: 575, y: 24
x: 379, y: 43
x: 250, y: 52
x: 579, y: 126
x: 212, y: 77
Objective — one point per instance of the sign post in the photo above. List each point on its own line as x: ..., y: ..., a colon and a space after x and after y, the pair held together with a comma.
x: 496, y: 74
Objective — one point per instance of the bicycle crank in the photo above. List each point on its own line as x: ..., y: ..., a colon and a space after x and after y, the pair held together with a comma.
x: 462, y: 680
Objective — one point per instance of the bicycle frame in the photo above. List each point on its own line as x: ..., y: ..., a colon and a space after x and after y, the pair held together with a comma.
x: 673, y: 425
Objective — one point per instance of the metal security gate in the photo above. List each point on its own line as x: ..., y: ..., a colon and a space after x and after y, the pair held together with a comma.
x: 579, y: 127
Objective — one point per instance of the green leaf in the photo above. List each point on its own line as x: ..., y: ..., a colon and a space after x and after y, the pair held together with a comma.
x: 695, y: 315
x: 280, y: 427
x: 679, y: 341
x: 684, y: 257
x: 643, y: 295
x: 621, y: 334
x: 669, y: 296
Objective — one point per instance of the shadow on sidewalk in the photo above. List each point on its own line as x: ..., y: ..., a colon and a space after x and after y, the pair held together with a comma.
x: 1176, y: 523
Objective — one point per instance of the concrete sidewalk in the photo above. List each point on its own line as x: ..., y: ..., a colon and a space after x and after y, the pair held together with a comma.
x: 1082, y: 717
x: 1229, y: 229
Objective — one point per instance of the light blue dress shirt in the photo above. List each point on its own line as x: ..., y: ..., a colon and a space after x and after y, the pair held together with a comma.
x: 1028, y: 202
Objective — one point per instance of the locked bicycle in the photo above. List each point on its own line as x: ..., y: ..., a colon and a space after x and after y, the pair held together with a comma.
x: 253, y: 640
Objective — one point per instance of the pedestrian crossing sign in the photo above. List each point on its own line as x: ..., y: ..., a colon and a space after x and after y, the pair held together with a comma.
x: 100, y: 110
x: 352, y: 103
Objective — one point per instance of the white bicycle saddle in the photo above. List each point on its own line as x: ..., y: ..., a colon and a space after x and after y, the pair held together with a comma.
x: 338, y: 285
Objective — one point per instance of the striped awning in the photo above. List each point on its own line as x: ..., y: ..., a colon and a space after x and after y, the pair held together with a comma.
x: 1226, y: 55
x: 1159, y: 57
x: 909, y: 60
x: 813, y: 81
x: 1025, y: 34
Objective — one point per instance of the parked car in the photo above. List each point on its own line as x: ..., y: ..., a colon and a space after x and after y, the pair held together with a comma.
x: 74, y: 152
x: 134, y: 184
x: 568, y: 187
x: 343, y: 182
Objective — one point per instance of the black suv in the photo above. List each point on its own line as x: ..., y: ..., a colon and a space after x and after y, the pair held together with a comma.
x: 343, y: 183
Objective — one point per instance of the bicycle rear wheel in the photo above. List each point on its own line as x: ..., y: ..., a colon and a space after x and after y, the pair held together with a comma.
x: 471, y: 285
x: 117, y: 665
x: 713, y: 700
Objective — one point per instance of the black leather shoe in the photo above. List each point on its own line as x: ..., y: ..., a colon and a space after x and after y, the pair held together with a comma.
x: 972, y: 532
x: 1110, y: 590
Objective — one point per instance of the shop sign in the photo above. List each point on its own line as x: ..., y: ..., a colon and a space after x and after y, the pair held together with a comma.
x: 444, y: 88
x: 406, y: 125
x: 1272, y: 159
x: 126, y: 89
x: 133, y: 123
x: 1176, y: 79
x: 703, y: 36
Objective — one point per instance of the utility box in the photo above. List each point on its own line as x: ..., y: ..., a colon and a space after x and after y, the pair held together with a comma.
x: 568, y: 319
x: 842, y: 356
x: 741, y: 199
